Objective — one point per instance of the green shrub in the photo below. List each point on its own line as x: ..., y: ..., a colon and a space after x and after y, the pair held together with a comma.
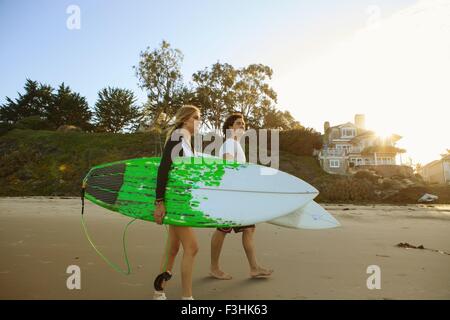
x: 5, y: 127
x: 366, y: 174
x: 34, y: 123
x: 301, y: 142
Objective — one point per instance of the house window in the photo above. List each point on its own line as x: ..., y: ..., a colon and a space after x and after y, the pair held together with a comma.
x: 343, y: 148
x: 348, y: 132
x: 335, y: 164
x: 359, y: 161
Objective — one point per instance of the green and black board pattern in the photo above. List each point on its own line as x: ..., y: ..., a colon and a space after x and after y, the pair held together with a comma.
x: 128, y: 187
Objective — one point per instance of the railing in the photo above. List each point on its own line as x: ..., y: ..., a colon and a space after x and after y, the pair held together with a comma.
x: 339, y: 152
x: 355, y: 150
x: 332, y: 152
x: 378, y: 163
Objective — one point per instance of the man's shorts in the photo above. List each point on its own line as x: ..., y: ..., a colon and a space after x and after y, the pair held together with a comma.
x: 236, y: 229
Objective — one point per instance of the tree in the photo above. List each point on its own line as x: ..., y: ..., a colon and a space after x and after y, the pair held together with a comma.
x: 301, y: 141
x: 253, y: 97
x: 446, y: 153
x: 291, y: 122
x: 159, y: 73
x: 34, y: 102
x: 39, y: 100
x: 69, y: 108
x: 276, y: 119
x: 214, y: 92
x: 418, y: 168
x: 115, y: 109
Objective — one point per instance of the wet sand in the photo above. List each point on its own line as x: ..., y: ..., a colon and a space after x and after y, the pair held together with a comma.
x: 40, y: 237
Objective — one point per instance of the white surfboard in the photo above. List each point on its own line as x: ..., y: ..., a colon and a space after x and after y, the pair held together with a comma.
x: 253, y: 194
x: 310, y: 216
x: 200, y: 192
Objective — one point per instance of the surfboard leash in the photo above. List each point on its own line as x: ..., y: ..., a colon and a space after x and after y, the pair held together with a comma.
x: 111, y: 264
x: 164, y: 269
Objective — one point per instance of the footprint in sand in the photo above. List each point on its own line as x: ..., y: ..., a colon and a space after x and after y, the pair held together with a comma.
x: 59, y: 245
x: 132, y: 284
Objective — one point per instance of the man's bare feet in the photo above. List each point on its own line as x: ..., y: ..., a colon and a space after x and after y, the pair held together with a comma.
x: 261, y: 273
x: 219, y: 274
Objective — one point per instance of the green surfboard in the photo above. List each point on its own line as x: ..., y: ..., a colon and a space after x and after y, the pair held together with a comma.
x: 128, y: 187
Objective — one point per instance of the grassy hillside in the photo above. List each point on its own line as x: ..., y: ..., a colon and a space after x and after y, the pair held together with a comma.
x: 50, y: 163
x: 38, y: 162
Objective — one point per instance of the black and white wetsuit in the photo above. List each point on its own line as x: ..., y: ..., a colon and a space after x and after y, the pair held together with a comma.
x: 166, y: 163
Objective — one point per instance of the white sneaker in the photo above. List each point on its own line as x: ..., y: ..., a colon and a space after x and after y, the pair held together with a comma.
x: 187, y: 298
x: 159, y: 295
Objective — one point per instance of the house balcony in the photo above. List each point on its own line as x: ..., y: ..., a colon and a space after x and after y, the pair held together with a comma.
x: 355, y: 150
x: 331, y: 152
x: 341, y: 152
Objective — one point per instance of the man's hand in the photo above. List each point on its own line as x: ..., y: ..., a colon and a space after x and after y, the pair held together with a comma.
x: 228, y: 156
x: 160, y: 212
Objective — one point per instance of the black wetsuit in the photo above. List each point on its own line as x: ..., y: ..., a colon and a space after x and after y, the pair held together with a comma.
x: 165, y: 166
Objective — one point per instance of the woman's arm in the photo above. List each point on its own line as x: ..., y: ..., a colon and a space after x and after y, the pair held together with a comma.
x: 164, y: 168
x: 161, y: 181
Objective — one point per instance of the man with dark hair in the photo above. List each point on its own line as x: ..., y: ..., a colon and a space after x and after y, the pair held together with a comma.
x: 233, y: 129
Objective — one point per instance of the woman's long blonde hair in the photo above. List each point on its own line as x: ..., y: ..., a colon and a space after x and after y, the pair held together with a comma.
x: 183, y: 114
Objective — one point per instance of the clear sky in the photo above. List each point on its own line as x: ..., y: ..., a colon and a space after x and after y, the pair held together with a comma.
x: 331, y: 59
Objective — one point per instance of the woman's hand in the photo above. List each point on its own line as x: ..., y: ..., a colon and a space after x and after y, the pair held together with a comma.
x: 160, y: 212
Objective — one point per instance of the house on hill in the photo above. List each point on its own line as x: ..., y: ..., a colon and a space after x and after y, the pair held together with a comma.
x: 437, y: 171
x: 351, y: 145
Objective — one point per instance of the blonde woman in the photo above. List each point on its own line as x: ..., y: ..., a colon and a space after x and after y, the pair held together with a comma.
x: 187, y: 121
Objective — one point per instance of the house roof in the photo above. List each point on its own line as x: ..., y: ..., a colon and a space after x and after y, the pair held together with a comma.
x: 396, y: 136
x: 364, y: 133
x: 347, y: 124
x: 432, y: 163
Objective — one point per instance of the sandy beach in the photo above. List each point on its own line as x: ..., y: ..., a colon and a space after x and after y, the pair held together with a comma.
x: 41, y: 236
